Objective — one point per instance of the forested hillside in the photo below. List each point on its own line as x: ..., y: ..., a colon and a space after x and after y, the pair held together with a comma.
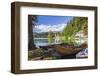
x: 75, y: 25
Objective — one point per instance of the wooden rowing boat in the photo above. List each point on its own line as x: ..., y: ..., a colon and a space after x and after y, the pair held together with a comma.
x: 67, y: 50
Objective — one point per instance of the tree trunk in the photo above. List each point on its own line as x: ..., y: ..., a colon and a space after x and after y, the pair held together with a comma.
x: 30, y: 34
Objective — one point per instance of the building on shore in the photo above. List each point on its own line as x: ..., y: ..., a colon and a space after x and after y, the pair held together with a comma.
x: 80, y: 37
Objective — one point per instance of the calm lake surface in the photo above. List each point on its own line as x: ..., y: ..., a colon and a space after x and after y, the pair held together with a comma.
x: 43, y: 42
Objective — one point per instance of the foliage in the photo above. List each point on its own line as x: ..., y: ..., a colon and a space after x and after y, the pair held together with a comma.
x: 50, y: 37
x: 75, y: 25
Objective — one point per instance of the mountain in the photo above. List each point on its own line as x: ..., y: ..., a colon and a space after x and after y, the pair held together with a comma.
x: 46, y: 28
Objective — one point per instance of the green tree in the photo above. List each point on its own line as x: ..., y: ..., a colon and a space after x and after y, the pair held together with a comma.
x: 74, y: 26
x: 50, y: 37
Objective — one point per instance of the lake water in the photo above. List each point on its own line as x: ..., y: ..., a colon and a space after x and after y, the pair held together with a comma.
x: 42, y: 42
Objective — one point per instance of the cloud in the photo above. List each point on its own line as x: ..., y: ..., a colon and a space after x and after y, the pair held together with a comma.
x: 46, y: 28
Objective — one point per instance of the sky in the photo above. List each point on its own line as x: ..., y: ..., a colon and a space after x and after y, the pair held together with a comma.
x: 51, y: 23
x: 53, y: 20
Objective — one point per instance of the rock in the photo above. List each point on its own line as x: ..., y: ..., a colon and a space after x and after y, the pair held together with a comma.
x: 82, y: 54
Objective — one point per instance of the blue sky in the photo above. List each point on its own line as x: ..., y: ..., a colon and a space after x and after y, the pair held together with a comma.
x: 51, y: 23
x: 53, y: 20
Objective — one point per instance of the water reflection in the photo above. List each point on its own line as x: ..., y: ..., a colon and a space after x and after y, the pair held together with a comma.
x: 43, y: 42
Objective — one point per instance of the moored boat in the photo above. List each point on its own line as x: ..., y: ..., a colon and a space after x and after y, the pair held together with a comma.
x: 69, y: 50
